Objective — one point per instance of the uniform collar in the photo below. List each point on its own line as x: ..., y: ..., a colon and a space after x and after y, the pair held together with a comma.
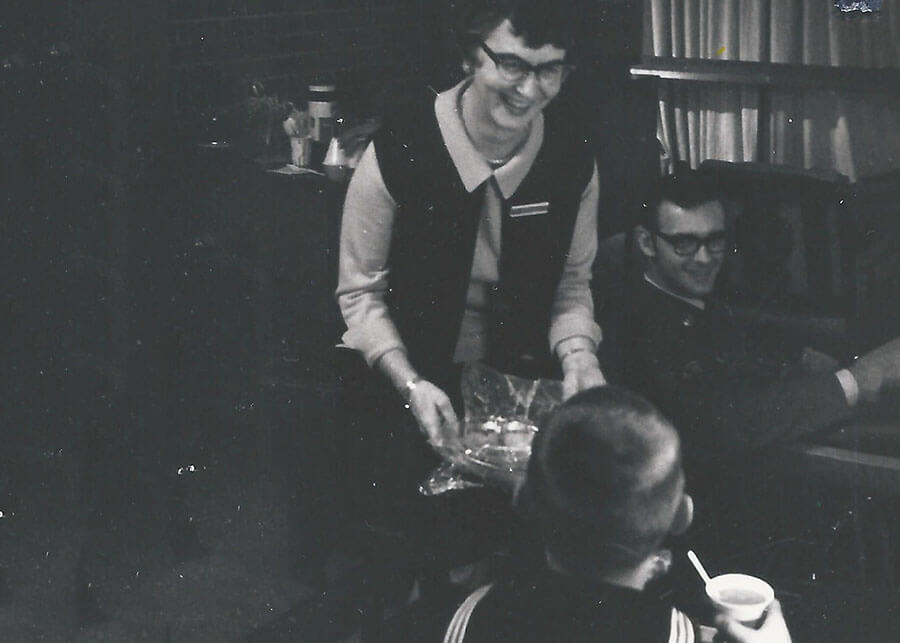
x: 696, y: 303
x: 471, y: 166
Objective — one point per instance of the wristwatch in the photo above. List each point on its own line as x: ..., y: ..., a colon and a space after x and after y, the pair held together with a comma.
x: 408, y: 387
x: 572, y: 351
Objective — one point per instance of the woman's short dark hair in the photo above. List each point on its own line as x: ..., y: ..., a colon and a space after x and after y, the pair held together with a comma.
x: 537, y: 22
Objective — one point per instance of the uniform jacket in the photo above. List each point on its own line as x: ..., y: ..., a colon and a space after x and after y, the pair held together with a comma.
x: 725, y: 397
x: 549, y: 607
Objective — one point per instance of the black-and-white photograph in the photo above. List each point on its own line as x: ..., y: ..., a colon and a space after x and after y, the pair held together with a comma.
x: 451, y: 321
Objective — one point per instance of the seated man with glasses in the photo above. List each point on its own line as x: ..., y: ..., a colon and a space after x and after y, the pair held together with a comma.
x: 670, y: 342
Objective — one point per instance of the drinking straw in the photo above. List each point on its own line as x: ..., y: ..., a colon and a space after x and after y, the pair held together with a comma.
x: 698, y: 566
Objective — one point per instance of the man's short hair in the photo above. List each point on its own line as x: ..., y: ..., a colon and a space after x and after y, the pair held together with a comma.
x: 686, y: 189
x: 537, y: 22
x: 605, y: 480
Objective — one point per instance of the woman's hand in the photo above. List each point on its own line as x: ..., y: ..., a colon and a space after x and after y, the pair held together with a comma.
x: 581, y: 370
x: 429, y: 405
x: 435, y: 415
x: 773, y: 630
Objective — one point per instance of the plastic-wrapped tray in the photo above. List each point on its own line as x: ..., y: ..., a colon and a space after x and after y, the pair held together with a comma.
x: 503, y: 413
x: 497, y: 445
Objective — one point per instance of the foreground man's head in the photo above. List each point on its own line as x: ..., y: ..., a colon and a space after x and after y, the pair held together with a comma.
x: 605, y: 485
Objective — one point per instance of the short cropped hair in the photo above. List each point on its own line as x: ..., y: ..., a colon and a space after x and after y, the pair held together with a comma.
x: 605, y: 481
x: 537, y: 22
x: 686, y: 189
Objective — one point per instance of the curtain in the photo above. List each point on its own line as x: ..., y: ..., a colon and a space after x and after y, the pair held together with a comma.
x: 701, y: 121
x: 857, y: 134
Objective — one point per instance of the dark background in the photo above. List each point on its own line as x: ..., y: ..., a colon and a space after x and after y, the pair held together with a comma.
x: 125, y: 248
x: 166, y: 305
x: 167, y: 309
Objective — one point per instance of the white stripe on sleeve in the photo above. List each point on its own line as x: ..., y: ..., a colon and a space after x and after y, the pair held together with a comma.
x: 681, y: 630
x: 456, y: 631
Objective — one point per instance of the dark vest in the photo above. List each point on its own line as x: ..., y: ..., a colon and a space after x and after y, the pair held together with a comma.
x: 433, y: 243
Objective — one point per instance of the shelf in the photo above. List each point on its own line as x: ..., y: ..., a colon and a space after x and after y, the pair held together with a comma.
x: 808, y: 77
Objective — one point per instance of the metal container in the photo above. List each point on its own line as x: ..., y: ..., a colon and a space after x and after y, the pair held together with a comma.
x: 323, y: 110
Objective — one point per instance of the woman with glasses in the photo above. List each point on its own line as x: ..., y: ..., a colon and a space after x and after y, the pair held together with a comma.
x: 469, y: 227
x: 468, y: 234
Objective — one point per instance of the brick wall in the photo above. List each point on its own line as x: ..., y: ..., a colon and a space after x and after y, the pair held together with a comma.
x: 368, y: 47
x: 373, y: 49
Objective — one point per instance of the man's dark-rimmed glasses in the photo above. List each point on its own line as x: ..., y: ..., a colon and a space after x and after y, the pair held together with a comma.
x: 515, y: 70
x: 687, y: 245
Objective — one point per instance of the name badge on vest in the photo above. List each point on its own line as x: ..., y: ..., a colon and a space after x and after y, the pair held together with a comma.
x: 529, y: 209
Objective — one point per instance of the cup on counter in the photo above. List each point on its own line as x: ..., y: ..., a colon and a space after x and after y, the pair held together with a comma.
x: 743, y: 597
x: 301, y: 151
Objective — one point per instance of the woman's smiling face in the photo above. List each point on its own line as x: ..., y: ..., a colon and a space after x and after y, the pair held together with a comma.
x: 506, y: 105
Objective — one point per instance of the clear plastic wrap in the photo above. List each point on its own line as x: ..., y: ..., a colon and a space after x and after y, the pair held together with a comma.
x: 502, y: 414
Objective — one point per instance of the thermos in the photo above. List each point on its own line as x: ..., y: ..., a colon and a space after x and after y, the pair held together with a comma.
x: 323, y: 111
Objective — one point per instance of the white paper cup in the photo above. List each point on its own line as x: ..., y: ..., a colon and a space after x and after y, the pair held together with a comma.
x: 300, y: 151
x: 742, y: 597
